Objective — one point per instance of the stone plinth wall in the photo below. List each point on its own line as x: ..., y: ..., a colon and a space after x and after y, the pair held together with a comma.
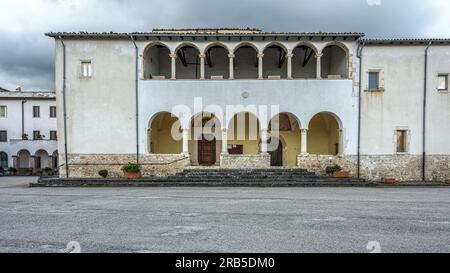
x: 152, y: 165
x: 375, y: 167
x: 245, y: 161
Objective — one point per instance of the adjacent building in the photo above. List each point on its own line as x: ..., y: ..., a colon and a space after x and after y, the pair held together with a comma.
x: 28, y: 131
x: 172, y: 99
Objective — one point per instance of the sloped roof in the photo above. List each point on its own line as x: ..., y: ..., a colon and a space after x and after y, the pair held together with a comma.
x: 37, y: 95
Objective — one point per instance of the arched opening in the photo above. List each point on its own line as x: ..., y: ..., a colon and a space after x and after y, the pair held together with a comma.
x: 274, y: 62
x: 157, y: 62
x: 205, y: 139
x: 41, y: 160
x: 217, y: 62
x: 3, y: 160
x: 244, y: 135
x: 334, y: 62
x: 286, y: 129
x: 24, y: 159
x: 304, y: 62
x: 276, y: 148
x: 55, y: 160
x: 165, y: 134
x: 188, y: 62
x: 246, y: 62
x: 324, y: 135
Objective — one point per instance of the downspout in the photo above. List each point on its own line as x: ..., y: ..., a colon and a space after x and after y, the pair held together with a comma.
x: 359, y: 55
x: 64, y: 107
x: 23, y: 117
x: 137, y: 97
x: 425, y: 82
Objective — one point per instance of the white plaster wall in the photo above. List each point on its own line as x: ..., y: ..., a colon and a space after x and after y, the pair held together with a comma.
x: 13, y: 124
x: 400, y: 106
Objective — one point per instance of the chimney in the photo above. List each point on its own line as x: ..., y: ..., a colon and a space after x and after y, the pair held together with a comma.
x: 19, y: 88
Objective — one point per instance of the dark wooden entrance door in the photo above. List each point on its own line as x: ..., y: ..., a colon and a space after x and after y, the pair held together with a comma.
x: 207, y: 152
x: 276, y: 156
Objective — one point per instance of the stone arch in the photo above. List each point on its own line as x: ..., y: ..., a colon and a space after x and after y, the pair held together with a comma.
x: 187, y: 44
x: 217, y: 44
x: 287, y: 128
x: 275, y: 60
x: 335, y: 61
x: 249, y: 44
x: 217, y: 61
x: 23, y: 159
x: 308, y: 44
x: 244, y: 130
x: 164, y: 134
x: 245, y: 61
x: 205, y: 139
x: 156, y: 61
x: 304, y: 61
x: 41, y: 160
x: 4, y: 160
x: 188, y: 61
x: 325, y: 134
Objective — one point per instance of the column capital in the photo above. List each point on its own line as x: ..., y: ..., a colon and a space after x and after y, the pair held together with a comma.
x: 173, y: 55
x: 202, y: 56
x: 260, y: 55
x: 224, y: 130
x: 231, y: 55
x: 289, y: 55
x: 319, y: 55
x: 304, y: 130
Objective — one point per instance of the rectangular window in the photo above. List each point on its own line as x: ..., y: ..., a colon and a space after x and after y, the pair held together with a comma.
x: 86, y: 69
x: 374, y: 80
x: 3, y: 136
x: 402, y: 138
x: 443, y: 82
x: 3, y: 111
x: 53, y: 135
x: 53, y: 111
x: 36, y: 111
x: 37, y: 135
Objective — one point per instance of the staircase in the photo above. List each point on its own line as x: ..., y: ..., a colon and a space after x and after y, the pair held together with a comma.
x: 217, y: 178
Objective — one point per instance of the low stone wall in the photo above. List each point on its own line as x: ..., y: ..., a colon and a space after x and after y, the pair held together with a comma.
x: 152, y: 165
x: 375, y: 167
x: 245, y: 161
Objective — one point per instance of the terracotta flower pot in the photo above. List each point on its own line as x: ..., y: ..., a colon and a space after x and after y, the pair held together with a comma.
x: 341, y: 175
x: 388, y: 181
x: 132, y: 175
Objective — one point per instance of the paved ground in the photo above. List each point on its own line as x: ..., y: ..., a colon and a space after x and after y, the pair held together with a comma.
x: 223, y: 219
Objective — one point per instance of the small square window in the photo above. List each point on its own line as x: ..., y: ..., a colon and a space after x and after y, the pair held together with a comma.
x: 37, y: 135
x: 443, y: 82
x: 53, y: 135
x: 402, y: 139
x: 86, y: 69
x: 36, y: 111
x: 374, y: 80
x: 3, y: 112
x: 3, y: 136
x: 53, y: 111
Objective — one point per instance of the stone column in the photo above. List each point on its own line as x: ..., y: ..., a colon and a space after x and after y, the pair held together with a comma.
x: 289, y: 65
x: 260, y: 66
x: 264, y: 139
x: 185, y: 141
x: 15, y: 162
x: 341, y: 143
x: 149, y: 140
x: 304, y: 142
x: 231, y: 56
x: 224, y: 141
x: 319, y: 66
x: 33, y: 163
x: 174, y: 66
x: 202, y: 66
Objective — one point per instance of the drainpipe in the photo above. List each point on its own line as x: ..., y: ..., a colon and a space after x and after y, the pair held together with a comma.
x: 425, y: 113
x: 137, y: 97
x: 65, y: 107
x: 359, y: 55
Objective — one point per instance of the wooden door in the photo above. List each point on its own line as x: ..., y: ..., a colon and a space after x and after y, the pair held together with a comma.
x: 207, y: 152
x: 276, y: 157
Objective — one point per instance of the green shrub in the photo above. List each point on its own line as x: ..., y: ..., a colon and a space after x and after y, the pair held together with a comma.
x: 333, y: 169
x: 131, y: 168
x: 103, y: 173
x: 12, y: 170
x: 47, y: 170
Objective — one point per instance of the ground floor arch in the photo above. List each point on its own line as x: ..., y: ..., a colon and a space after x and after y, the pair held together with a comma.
x: 244, y: 136
x: 164, y: 134
x: 205, y: 139
x: 41, y: 160
x: 24, y: 159
x: 285, y: 130
x: 325, y: 135
x: 3, y: 160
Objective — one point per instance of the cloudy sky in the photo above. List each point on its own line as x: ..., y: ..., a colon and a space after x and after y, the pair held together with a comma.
x: 26, y: 55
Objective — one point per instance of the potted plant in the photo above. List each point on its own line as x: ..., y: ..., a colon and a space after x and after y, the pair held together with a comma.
x: 103, y: 173
x: 12, y: 171
x: 24, y: 136
x: 336, y: 172
x: 132, y: 171
x: 47, y: 171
